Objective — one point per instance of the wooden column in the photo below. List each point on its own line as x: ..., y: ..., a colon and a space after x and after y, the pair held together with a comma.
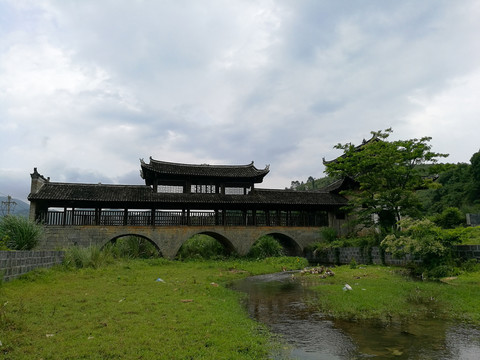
x: 152, y: 217
x: 64, y: 222
x: 125, y: 216
x: 98, y: 214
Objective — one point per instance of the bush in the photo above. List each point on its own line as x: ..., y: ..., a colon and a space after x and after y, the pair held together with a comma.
x: 19, y: 233
x: 423, y: 240
x: 132, y: 247
x: 449, y: 218
x: 329, y: 234
x: 465, y: 236
x: 201, y: 246
x: 442, y: 271
x: 471, y: 265
x: 266, y: 246
x: 86, y: 257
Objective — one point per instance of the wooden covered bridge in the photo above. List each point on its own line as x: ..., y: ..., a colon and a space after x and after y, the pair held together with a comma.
x: 179, y: 201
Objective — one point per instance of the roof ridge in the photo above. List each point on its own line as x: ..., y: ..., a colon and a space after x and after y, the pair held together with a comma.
x: 251, y: 164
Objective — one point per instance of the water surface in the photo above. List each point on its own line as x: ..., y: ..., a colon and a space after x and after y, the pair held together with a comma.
x: 286, y: 305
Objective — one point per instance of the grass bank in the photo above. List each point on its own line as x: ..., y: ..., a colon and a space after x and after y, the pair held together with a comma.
x: 135, y: 309
x: 388, y: 293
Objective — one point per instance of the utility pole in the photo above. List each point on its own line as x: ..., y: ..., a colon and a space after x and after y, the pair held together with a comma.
x: 8, y: 206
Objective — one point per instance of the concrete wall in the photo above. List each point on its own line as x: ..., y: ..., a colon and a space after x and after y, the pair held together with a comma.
x: 15, y: 263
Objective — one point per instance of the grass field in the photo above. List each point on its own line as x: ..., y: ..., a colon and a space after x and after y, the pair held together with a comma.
x: 124, y: 311
x: 389, y: 293
x: 160, y: 309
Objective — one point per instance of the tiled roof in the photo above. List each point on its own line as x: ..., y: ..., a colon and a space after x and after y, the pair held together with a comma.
x: 204, y: 170
x: 143, y: 195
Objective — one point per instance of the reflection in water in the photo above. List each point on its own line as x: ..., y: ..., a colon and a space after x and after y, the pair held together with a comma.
x: 285, y: 305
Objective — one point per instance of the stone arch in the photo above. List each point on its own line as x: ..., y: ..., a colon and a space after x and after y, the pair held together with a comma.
x: 224, y: 241
x: 114, y: 239
x: 292, y: 248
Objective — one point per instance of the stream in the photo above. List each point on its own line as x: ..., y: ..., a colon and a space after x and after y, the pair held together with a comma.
x: 284, y: 304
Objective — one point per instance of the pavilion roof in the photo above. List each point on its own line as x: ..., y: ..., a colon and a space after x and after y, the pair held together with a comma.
x: 180, y: 171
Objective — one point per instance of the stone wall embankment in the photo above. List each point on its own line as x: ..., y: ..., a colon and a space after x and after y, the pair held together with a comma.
x: 374, y: 255
x: 16, y: 263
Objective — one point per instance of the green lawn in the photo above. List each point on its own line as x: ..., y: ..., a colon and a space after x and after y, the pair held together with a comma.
x: 121, y: 312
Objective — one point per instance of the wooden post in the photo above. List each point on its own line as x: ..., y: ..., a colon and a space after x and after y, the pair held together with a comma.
x: 152, y: 217
x: 64, y: 216
x: 125, y: 217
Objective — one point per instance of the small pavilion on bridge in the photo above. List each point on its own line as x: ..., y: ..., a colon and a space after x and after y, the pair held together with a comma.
x: 177, y: 194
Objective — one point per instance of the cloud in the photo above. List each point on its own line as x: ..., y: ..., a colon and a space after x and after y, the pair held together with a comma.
x: 87, y: 88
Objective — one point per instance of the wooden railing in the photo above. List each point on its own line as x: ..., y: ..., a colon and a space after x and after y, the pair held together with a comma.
x: 179, y: 218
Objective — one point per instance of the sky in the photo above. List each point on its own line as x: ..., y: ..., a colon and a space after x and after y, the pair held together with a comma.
x: 87, y: 88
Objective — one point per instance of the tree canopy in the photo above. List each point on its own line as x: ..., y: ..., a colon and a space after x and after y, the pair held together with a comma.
x: 388, y: 174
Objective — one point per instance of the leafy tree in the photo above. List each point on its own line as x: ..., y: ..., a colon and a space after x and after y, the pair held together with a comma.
x: 475, y: 171
x: 388, y: 173
x: 460, y: 188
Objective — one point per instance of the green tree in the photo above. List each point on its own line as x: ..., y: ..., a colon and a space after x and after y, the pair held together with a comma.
x: 475, y: 171
x: 388, y: 174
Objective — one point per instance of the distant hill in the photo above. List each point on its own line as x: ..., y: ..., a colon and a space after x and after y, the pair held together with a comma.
x: 20, y: 207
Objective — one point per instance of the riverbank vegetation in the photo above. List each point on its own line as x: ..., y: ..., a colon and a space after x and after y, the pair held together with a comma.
x: 19, y: 233
x: 390, y: 294
x: 130, y: 309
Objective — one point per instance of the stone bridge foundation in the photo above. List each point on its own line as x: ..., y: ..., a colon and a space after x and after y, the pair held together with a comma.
x: 169, y: 239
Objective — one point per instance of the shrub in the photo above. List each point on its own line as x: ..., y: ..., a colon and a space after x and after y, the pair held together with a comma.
x: 132, y: 247
x: 442, y: 271
x: 449, y: 218
x: 471, y: 265
x: 86, y: 257
x: 19, y: 233
x: 201, y: 246
x: 266, y: 246
x: 329, y: 234
x: 423, y: 240
x: 466, y: 236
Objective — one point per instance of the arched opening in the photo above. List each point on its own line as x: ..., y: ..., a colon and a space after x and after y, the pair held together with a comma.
x: 205, y: 245
x: 132, y: 246
x: 289, y: 247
